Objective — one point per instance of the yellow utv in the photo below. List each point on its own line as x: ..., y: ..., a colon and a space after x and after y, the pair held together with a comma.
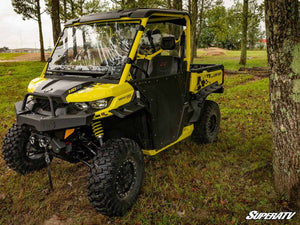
x: 118, y: 85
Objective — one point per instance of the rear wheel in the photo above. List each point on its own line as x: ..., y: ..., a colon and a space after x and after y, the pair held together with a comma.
x: 19, y: 154
x: 116, y: 177
x: 206, y: 129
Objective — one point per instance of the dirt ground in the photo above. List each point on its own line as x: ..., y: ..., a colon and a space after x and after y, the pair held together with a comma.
x: 27, y: 57
x: 213, y: 51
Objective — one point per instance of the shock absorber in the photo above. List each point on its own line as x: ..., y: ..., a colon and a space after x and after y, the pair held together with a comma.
x: 98, y: 130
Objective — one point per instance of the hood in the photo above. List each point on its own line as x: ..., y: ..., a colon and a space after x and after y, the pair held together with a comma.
x: 56, y: 87
x: 78, y: 91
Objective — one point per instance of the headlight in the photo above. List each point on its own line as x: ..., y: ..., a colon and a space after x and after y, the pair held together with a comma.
x: 99, y: 104
x: 81, y: 105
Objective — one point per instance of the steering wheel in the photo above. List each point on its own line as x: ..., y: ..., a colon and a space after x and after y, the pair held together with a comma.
x: 141, y: 69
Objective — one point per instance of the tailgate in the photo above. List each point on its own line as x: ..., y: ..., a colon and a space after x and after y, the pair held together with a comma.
x: 203, y: 75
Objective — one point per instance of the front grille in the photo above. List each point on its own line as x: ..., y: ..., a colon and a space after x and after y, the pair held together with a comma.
x: 42, y: 105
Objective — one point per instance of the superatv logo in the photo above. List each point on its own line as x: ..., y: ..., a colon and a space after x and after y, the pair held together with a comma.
x: 254, y: 215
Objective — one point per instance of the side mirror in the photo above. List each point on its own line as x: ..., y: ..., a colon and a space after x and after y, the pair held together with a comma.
x: 168, y: 43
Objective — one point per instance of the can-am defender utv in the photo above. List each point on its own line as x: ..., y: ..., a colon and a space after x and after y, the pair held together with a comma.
x: 118, y: 85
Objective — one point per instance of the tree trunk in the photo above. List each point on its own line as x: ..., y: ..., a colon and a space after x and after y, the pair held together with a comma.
x: 283, y: 46
x: 177, y: 4
x: 55, y: 20
x: 65, y: 11
x: 194, y: 20
x: 244, y: 34
x: 199, y: 30
x: 169, y: 4
x: 40, y: 31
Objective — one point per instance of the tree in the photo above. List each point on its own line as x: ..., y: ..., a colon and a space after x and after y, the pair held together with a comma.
x: 255, y: 16
x: 31, y: 9
x: 177, y: 4
x: 244, y: 33
x: 65, y: 18
x: 221, y: 27
x: 130, y: 4
x: 55, y: 20
x: 198, y: 11
x: 283, y: 46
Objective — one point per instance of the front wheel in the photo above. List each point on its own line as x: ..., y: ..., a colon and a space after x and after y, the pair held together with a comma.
x: 116, y: 177
x: 19, y: 154
x: 206, y: 129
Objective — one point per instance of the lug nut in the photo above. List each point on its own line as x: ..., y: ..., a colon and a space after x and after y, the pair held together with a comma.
x: 42, y: 143
x: 32, y: 140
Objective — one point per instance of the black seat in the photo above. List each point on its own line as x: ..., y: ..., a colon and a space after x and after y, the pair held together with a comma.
x: 163, y: 65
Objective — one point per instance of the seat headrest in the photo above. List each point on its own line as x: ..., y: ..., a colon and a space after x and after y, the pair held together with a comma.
x: 168, y: 43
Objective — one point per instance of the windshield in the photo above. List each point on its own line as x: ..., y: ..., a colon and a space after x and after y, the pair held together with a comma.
x: 99, y: 48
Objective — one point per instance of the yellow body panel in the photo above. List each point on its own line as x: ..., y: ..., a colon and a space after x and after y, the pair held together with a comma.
x: 121, y: 94
x: 118, y: 101
x: 203, y: 79
x: 186, y: 132
x: 35, y: 83
x: 99, y: 91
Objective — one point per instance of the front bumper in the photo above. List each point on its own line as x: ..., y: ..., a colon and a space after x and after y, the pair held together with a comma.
x: 53, y: 122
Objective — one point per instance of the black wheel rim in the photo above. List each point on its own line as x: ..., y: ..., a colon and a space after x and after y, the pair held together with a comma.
x: 126, y: 177
x: 212, y: 123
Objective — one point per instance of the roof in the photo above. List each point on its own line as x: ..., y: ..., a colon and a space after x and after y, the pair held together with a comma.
x: 131, y: 13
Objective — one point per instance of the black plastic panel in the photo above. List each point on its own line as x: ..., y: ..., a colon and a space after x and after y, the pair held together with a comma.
x: 166, y: 96
x: 49, y: 123
x: 132, y: 13
x: 199, y: 68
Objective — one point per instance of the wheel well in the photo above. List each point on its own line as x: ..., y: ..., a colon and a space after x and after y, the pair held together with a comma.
x: 135, y: 126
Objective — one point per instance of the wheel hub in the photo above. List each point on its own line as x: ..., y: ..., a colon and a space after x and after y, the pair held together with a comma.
x: 125, y: 178
x: 32, y: 152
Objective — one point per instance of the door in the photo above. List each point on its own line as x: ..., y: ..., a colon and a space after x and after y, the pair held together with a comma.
x: 165, y: 96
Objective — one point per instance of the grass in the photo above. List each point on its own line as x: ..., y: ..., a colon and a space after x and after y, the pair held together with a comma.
x: 9, y: 56
x: 231, y: 59
x: 218, y: 183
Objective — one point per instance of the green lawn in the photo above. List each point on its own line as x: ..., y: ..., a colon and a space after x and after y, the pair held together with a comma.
x: 218, y: 183
x: 8, y: 56
x: 231, y: 59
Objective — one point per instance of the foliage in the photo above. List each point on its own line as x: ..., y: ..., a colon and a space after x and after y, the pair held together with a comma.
x: 122, y: 4
x: 255, y: 33
x: 29, y: 9
x: 222, y: 27
x: 77, y: 8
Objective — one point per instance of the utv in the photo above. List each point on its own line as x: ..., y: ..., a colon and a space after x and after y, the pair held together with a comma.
x: 117, y: 85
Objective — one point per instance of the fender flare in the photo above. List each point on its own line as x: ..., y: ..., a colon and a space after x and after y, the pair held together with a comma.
x: 197, y: 103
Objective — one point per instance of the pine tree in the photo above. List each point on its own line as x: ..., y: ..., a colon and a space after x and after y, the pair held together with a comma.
x: 31, y: 9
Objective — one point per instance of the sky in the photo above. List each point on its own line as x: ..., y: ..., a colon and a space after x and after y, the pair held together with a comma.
x: 17, y: 33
